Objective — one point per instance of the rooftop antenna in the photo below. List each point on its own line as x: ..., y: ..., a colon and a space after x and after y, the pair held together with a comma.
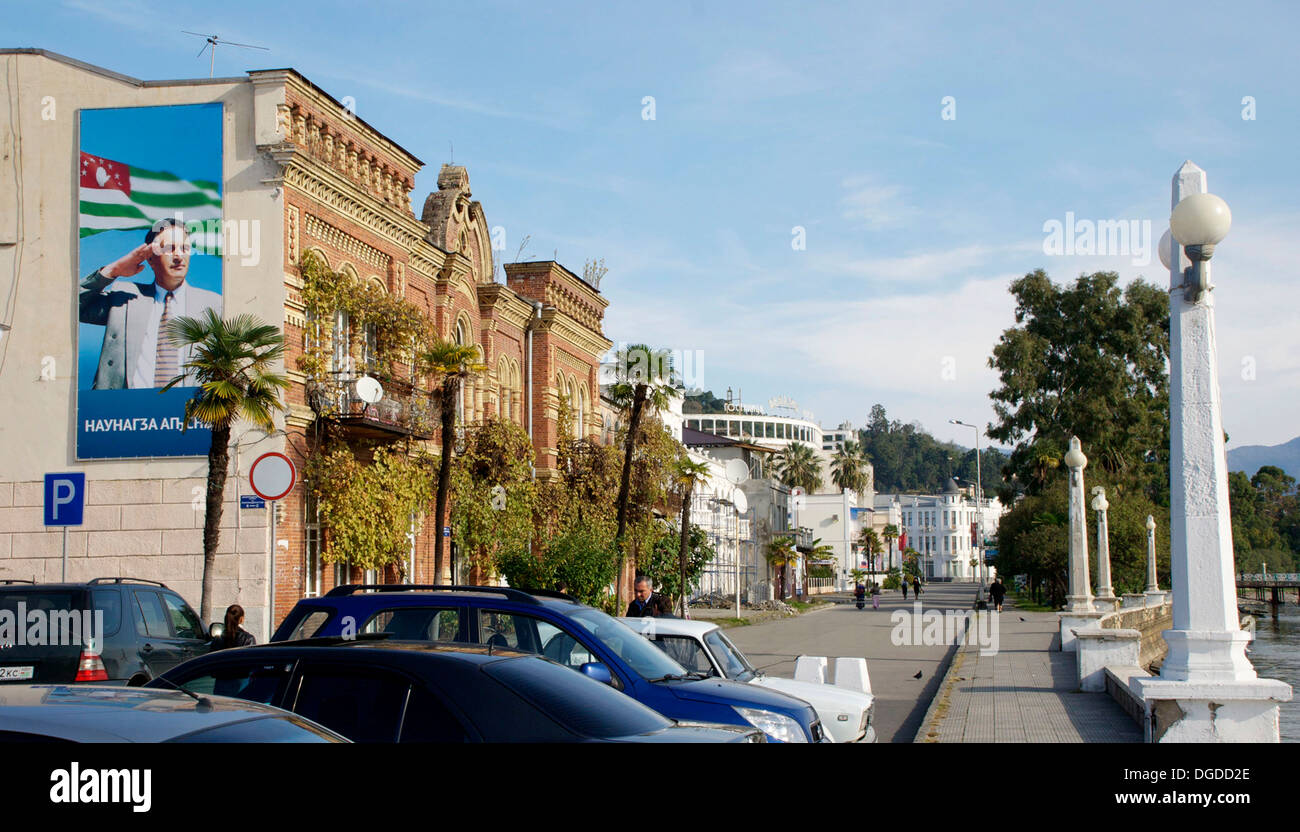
x: 213, y: 40
x: 452, y: 150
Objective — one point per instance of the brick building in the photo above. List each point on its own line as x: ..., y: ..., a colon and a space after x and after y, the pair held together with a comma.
x: 300, y: 173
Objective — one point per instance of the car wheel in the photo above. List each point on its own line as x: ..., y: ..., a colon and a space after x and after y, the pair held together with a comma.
x: 137, y: 681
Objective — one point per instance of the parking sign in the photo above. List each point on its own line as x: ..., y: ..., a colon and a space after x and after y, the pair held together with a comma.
x: 65, y: 499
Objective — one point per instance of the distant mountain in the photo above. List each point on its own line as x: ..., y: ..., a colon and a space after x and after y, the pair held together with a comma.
x: 1250, y: 458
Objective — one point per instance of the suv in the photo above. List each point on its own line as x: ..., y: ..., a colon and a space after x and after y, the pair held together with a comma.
x: 559, y: 628
x: 147, y: 630
x: 379, y: 690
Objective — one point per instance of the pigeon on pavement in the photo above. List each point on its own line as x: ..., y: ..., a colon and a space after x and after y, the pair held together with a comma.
x: 918, y: 675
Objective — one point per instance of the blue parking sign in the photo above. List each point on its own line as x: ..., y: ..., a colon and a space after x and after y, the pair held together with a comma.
x: 65, y: 499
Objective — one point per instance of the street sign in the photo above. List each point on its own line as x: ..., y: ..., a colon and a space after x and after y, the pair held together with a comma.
x: 65, y: 499
x: 251, y: 501
x: 272, y: 476
x: 446, y: 531
x: 498, y: 498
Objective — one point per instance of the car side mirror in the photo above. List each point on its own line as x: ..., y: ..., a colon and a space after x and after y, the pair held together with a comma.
x: 597, y: 671
x: 217, y: 630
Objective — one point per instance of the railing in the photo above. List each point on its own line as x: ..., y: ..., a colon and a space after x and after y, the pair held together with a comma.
x: 403, y: 410
x: 1270, y: 577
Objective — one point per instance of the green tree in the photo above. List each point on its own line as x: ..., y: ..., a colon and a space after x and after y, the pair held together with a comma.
x: 493, y: 494
x: 799, y: 467
x: 870, y: 540
x: 688, y: 474
x: 889, y: 534
x: 642, y: 380
x: 451, y: 363
x: 231, y: 365
x: 664, y: 566
x: 781, y: 555
x: 848, y: 468
x: 1086, y: 360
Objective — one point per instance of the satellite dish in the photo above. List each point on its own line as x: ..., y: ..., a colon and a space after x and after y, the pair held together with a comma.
x: 740, y: 501
x: 736, y: 471
x: 368, y: 389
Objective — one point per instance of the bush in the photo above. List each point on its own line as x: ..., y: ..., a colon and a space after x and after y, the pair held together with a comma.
x: 580, y: 562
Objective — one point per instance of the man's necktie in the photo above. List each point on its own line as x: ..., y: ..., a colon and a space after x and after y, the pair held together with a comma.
x: 165, y: 366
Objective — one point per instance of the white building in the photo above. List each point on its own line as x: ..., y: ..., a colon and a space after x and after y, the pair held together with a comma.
x: 945, y: 529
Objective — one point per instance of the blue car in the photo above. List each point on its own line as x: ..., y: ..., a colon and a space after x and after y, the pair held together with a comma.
x: 555, y: 626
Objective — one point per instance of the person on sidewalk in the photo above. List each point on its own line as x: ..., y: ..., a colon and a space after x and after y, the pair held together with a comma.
x: 904, y: 582
x: 234, y: 635
x: 647, y: 602
x: 916, y: 587
x: 997, y: 591
x: 875, y: 596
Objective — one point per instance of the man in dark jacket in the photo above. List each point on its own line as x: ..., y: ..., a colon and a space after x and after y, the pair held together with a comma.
x: 997, y: 592
x: 648, y: 603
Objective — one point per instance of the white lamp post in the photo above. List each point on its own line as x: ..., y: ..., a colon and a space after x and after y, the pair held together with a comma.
x: 979, y: 505
x: 1207, y: 689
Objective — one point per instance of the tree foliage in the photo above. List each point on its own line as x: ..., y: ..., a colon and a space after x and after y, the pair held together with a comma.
x: 664, y: 564
x: 905, y: 458
x: 1086, y: 360
x: 498, y: 454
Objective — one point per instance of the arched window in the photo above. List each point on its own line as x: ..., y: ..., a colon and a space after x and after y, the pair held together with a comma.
x: 581, y: 429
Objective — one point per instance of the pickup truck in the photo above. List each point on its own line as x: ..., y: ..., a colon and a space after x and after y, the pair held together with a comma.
x: 702, y: 647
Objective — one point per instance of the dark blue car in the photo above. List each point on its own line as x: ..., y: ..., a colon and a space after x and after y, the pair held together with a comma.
x: 561, y: 629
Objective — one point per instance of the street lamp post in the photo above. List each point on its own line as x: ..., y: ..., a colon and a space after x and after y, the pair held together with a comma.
x: 979, y: 504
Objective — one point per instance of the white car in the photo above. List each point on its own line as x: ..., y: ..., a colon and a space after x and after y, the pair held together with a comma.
x: 702, y: 647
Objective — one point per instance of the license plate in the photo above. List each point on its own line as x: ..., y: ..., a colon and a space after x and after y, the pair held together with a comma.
x: 16, y: 673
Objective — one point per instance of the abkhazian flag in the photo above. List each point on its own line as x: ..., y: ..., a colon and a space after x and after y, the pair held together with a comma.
x: 119, y: 197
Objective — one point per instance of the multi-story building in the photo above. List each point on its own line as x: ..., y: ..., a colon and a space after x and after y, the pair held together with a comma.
x: 283, y: 168
x: 946, y: 529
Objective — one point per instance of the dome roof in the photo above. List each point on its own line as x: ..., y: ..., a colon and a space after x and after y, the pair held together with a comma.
x: 951, y: 487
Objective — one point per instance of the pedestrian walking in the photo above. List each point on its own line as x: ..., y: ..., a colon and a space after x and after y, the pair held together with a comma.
x: 916, y: 586
x: 875, y: 596
x: 997, y: 591
x: 905, y: 589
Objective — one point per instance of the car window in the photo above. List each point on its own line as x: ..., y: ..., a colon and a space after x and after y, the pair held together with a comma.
x: 154, y: 622
x: 646, y: 659
x: 428, y: 719
x: 260, y: 729
x: 686, y: 651
x: 559, y: 646
x: 733, y: 661
x: 185, y: 624
x: 364, y: 705
x: 416, y: 623
x: 506, y: 629
x: 109, y: 601
x: 263, y: 682
x: 309, y: 626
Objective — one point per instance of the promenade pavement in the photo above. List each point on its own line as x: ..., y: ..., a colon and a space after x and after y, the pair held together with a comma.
x: 1026, y: 692
x: 842, y: 630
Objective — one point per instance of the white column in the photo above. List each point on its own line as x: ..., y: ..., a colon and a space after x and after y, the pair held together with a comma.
x: 1105, y: 595
x: 1079, y: 599
x: 1152, y: 581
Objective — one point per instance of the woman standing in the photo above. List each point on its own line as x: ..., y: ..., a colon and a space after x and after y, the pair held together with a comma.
x: 235, y: 635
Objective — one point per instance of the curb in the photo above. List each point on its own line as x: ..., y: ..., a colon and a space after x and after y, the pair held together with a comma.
x: 931, y: 721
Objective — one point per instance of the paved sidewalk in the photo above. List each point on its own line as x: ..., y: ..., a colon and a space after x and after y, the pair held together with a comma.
x: 1027, y: 692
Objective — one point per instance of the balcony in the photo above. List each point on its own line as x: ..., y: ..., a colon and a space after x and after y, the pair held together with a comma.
x: 403, y: 411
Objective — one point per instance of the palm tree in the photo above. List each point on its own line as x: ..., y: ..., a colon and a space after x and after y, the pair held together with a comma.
x: 642, y: 380
x: 871, y: 544
x: 688, y: 474
x: 857, y: 575
x: 452, y: 363
x: 799, y: 467
x: 780, y: 554
x: 820, y: 552
x: 846, y: 468
x: 890, y: 534
x: 231, y: 366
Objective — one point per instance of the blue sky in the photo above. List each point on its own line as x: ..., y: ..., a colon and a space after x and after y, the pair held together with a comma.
x: 827, y: 117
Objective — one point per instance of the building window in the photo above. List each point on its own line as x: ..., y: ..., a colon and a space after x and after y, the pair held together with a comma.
x: 369, y: 347
x: 733, y: 428
x: 311, y: 523
x: 747, y: 428
x: 771, y: 430
x: 341, y: 358
x: 707, y: 425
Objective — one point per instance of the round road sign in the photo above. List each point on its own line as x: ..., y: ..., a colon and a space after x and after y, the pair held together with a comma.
x: 272, y: 476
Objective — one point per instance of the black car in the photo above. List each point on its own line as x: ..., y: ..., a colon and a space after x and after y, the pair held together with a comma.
x: 378, y: 690
x: 147, y: 629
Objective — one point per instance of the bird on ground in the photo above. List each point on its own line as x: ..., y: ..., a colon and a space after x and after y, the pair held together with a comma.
x: 918, y: 675
x: 1022, y: 618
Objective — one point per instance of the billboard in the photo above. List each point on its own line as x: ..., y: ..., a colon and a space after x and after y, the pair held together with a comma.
x: 149, y: 251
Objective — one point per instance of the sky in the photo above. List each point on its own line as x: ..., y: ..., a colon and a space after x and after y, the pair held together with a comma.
x: 827, y: 201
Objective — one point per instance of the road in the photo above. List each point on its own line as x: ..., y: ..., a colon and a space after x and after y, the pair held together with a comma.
x: 901, y: 700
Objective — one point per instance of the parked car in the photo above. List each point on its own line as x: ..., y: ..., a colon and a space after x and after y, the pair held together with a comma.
x: 379, y: 690
x: 94, y: 713
x: 702, y: 647
x: 147, y: 629
x: 553, y: 625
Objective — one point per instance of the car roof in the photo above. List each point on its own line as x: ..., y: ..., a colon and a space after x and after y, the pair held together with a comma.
x: 333, y: 645
x: 672, y: 626
x: 89, y: 713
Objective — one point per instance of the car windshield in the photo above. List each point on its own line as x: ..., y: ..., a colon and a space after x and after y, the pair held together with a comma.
x: 734, y: 664
x: 643, y: 657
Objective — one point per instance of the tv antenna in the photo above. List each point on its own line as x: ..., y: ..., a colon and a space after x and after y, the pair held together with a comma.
x: 213, y: 40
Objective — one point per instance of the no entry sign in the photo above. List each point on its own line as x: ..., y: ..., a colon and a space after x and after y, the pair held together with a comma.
x: 272, y: 476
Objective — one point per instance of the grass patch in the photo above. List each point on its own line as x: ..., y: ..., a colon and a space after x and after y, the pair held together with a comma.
x: 1025, y: 601
x: 730, y: 622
